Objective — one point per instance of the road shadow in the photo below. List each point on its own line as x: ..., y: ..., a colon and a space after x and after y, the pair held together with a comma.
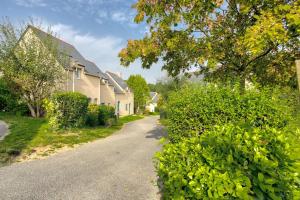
x: 157, y: 133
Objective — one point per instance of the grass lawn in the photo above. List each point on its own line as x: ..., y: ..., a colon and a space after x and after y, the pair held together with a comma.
x: 27, y: 134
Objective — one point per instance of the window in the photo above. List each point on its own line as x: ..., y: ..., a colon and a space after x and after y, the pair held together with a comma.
x: 118, y: 106
x: 102, y: 103
x: 89, y: 100
x: 95, y: 101
x: 126, y: 107
x: 78, y: 73
x: 129, y: 109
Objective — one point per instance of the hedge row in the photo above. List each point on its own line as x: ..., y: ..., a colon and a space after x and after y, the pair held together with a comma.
x: 226, y: 145
x: 229, y: 162
x: 72, y: 109
x: 100, y: 115
x: 196, y: 109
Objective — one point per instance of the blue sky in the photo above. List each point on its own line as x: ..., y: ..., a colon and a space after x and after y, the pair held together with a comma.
x: 99, y: 29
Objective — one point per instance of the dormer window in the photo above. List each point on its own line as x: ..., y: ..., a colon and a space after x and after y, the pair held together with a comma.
x: 78, y: 73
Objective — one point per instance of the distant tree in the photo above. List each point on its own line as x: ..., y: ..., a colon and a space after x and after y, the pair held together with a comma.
x: 167, y: 85
x: 141, y: 91
x: 33, y: 66
x: 152, y: 87
x: 253, y: 40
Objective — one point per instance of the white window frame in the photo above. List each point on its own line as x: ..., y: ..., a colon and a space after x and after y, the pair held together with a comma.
x: 78, y: 73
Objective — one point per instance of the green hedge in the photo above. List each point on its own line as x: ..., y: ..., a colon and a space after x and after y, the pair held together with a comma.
x: 227, y: 145
x: 92, y: 115
x: 100, y: 115
x: 195, y: 109
x: 10, y: 102
x: 106, y: 115
x: 67, y: 109
x: 228, y: 162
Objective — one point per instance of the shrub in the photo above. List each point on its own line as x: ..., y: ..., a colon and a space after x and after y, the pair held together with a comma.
x: 146, y: 112
x: 10, y: 102
x: 195, y: 109
x: 67, y: 109
x: 106, y: 113
x: 227, y: 162
x: 92, y: 115
x: 162, y: 112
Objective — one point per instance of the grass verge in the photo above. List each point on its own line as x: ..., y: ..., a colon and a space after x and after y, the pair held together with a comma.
x: 28, y: 134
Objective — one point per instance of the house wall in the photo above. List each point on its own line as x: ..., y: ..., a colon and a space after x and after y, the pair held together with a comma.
x: 151, y: 107
x: 87, y: 85
x: 29, y: 38
x: 92, y: 87
x: 125, y: 99
x: 107, y: 96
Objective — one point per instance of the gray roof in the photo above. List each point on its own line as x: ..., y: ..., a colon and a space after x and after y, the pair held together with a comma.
x: 117, y: 82
x: 66, y: 48
x: 154, y: 97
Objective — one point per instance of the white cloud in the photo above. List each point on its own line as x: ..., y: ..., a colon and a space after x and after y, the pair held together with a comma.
x: 31, y: 3
x: 119, y: 16
x: 102, y: 15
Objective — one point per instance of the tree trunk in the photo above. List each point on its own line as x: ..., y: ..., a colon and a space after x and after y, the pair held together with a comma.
x: 242, y: 85
x: 32, y: 110
x: 38, y: 114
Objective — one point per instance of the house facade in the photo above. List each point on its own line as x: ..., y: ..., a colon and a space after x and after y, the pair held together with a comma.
x: 153, y: 102
x: 124, y: 96
x: 85, y: 77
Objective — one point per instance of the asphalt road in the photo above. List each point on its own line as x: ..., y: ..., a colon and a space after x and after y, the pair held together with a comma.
x: 114, y: 168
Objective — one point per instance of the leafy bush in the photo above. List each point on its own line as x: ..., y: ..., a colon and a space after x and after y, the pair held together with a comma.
x: 146, y: 112
x: 67, y: 109
x: 163, y: 112
x: 92, y: 115
x: 106, y: 114
x: 227, y: 162
x: 10, y: 102
x: 195, y: 109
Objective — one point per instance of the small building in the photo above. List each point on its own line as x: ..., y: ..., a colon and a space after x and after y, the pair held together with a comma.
x: 123, y: 94
x: 153, y: 102
x: 86, y: 77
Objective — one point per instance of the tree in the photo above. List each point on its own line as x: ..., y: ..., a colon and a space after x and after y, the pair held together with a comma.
x: 140, y: 89
x: 225, y: 40
x: 152, y: 87
x: 166, y: 86
x: 33, y: 65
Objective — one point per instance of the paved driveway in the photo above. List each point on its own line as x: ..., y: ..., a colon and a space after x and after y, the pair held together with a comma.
x: 117, y: 167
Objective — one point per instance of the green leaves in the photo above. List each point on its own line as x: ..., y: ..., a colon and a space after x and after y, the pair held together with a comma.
x: 140, y: 89
x: 227, y: 145
x: 196, y: 109
x: 67, y: 109
x: 234, y: 37
x: 186, y: 168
